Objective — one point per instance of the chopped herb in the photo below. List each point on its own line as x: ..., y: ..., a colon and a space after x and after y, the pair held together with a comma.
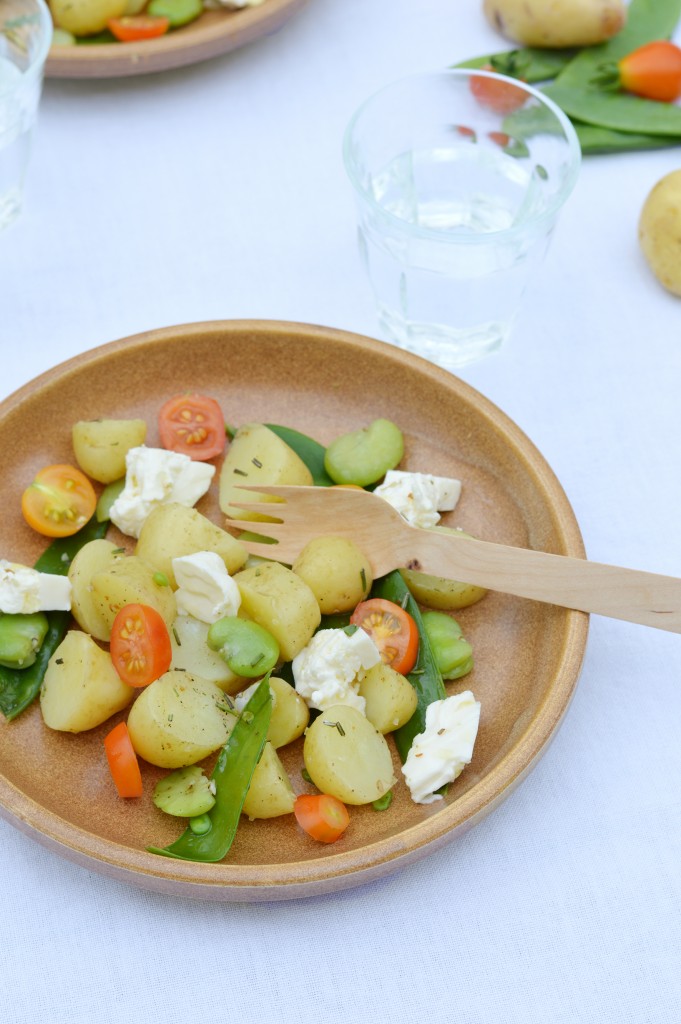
x: 257, y: 660
x: 177, y: 637
x: 383, y: 802
x: 306, y: 775
x: 170, y: 718
x: 247, y: 716
x: 240, y: 472
x: 405, y: 600
x: 229, y: 431
x: 59, y: 661
x: 336, y: 725
x: 118, y: 551
x: 257, y: 463
x: 363, y: 578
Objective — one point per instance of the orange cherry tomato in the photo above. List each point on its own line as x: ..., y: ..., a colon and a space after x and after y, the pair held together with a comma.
x: 140, y: 645
x: 323, y: 817
x: 134, y: 27
x: 59, y: 502
x: 392, y: 629
x: 502, y: 97
x: 652, y: 71
x: 193, y: 425
x: 123, y: 763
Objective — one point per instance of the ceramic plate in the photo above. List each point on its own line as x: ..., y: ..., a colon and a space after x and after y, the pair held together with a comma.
x: 56, y: 787
x: 214, y: 33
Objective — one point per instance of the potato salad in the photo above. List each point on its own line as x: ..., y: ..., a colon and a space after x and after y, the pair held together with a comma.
x: 206, y: 660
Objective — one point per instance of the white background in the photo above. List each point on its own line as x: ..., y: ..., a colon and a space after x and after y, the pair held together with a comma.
x: 216, y: 192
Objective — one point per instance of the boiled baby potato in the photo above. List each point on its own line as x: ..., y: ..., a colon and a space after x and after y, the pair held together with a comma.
x: 280, y: 602
x: 100, y: 446
x: 556, y: 23
x: 270, y: 792
x: 347, y: 757
x: 131, y: 581
x: 81, y: 688
x: 172, y: 531
x: 257, y: 456
x: 336, y: 571
x: 189, y: 642
x: 86, y: 17
x: 290, y: 713
x: 439, y: 593
x: 179, y: 719
x: 390, y: 698
x: 94, y: 557
x: 659, y: 231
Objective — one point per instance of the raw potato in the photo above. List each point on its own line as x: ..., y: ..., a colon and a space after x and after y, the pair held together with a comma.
x: 100, y: 446
x: 178, y: 720
x: 189, y: 642
x: 172, y: 530
x: 257, y: 456
x: 390, y: 698
x: 352, y: 763
x: 81, y: 688
x: 556, y: 23
x: 279, y: 601
x: 270, y: 792
x: 94, y: 557
x: 85, y: 17
x: 438, y: 593
x: 290, y: 713
x: 659, y: 231
x: 336, y: 571
x: 130, y: 581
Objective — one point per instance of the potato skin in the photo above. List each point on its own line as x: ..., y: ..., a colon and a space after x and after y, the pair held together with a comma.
x: 553, y: 24
x: 353, y: 762
x: 281, y: 602
x: 100, y: 446
x: 336, y: 571
x: 659, y: 231
x: 172, y: 530
x: 85, y: 17
x: 81, y: 688
x: 257, y: 456
x: 270, y: 792
x: 390, y: 698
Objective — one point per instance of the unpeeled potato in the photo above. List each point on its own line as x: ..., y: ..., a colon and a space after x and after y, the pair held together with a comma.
x: 553, y: 24
x: 659, y: 231
x: 86, y: 17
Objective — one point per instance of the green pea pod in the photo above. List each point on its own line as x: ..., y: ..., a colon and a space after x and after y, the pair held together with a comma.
x: 616, y: 110
x: 20, y: 687
x: 530, y: 64
x: 311, y: 452
x: 232, y: 776
x: 425, y: 676
x: 595, y: 140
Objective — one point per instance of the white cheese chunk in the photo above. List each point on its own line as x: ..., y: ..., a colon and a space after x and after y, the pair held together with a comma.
x: 329, y: 670
x: 153, y: 477
x: 24, y: 591
x: 440, y: 754
x: 205, y: 588
x: 419, y: 497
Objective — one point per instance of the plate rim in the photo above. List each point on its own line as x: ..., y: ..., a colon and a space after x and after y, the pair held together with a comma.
x: 334, y: 871
x: 206, y: 38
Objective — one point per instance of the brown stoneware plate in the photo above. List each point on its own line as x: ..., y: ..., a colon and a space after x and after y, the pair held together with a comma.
x: 214, y: 33
x: 56, y: 787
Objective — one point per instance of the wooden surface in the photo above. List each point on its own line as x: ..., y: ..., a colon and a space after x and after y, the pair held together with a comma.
x: 528, y: 656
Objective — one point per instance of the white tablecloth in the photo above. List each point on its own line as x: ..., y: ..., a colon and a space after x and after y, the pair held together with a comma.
x: 216, y: 192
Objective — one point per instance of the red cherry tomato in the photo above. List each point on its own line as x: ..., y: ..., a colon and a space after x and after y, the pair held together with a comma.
x: 140, y: 645
x: 323, y: 817
x: 392, y: 629
x: 501, y: 96
x: 193, y: 425
x: 123, y: 763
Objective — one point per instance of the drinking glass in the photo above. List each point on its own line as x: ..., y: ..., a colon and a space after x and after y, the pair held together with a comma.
x: 25, y: 37
x: 457, y: 196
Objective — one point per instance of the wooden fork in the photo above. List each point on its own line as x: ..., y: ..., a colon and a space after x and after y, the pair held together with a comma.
x: 389, y: 542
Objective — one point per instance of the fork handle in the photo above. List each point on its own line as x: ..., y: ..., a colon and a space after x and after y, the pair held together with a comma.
x: 643, y: 597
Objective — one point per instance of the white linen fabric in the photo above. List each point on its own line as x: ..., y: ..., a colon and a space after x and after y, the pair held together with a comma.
x: 218, y: 191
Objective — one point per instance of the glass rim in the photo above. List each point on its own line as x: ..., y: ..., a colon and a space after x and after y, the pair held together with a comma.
x: 535, y: 221
x: 35, y: 68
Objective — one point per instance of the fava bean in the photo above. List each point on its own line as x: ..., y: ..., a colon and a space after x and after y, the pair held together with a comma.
x: 21, y: 637
x: 364, y: 456
x: 249, y: 650
x: 185, y: 793
x: 178, y: 12
x: 453, y: 654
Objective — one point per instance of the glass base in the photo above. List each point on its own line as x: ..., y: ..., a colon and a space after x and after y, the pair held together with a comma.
x: 449, y: 347
x: 10, y: 207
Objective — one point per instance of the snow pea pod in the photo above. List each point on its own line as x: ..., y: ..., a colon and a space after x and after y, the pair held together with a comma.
x: 19, y: 687
x: 425, y: 676
x: 528, y: 63
x: 617, y: 111
x: 232, y: 776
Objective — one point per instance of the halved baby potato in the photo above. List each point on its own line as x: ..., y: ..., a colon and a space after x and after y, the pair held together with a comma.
x: 81, y: 688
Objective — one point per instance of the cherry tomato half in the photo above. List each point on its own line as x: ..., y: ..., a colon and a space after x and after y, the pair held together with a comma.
x: 140, y: 645
x: 502, y: 97
x: 323, y: 817
x: 60, y: 500
x: 133, y: 27
x: 392, y: 629
x: 193, y: 425
x: 123, y: 763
